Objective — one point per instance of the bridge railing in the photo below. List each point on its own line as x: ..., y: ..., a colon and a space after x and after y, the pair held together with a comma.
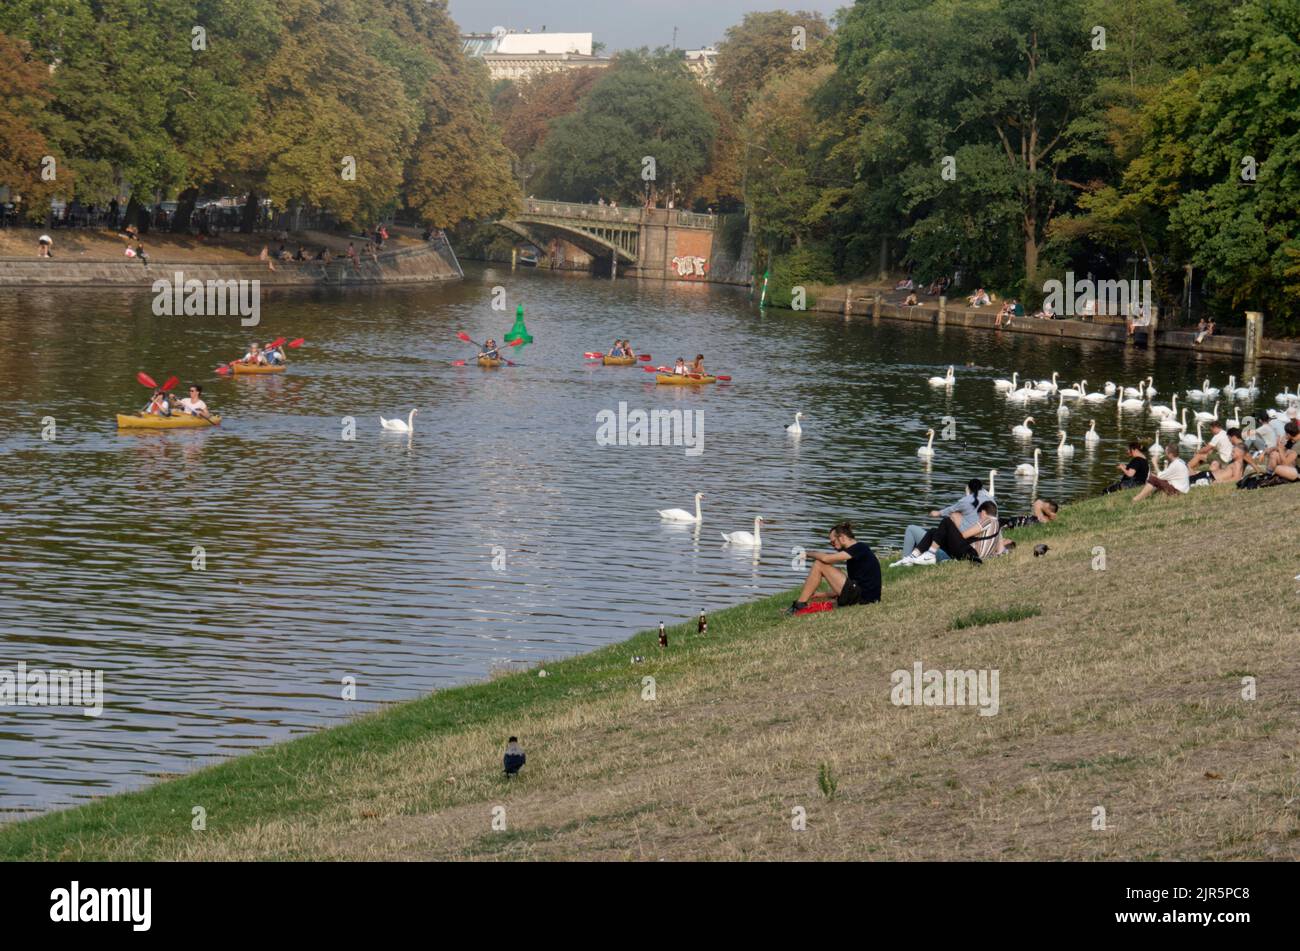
x: 606, y: 213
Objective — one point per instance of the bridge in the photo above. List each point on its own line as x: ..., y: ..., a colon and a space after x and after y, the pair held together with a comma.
x: 641, y: 242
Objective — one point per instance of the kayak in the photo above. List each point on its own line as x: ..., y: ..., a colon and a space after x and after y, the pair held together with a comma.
x: 619, y: 361
x: 142, y: 421
x: 257, y: 368
x: 489, y: 362
x: 672, y: 379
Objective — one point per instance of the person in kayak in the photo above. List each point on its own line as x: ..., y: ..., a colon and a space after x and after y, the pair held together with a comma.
x: 680, y: 368
x: 617, y: 349
x: 490, y: 351
x: 274, y: 356
x: 857, y: 583
x: 193, y: 404
x: 698, y: 365
x: 627, y: 349
x: 159, y: 404
x: 254, y: 356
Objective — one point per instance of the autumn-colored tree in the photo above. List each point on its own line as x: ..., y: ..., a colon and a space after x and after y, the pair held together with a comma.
x: 526, y: 110
x: 28, y: 165
x: 765, y: 45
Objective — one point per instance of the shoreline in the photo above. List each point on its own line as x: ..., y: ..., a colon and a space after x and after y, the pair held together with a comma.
x: 744, y: 719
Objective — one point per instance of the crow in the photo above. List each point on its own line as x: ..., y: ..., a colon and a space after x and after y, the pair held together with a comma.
x: 514, y: 758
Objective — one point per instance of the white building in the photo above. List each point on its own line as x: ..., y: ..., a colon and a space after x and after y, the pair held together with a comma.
x: 521, y: 56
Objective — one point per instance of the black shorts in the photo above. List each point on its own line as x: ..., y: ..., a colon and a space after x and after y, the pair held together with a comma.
x: 850, y: 594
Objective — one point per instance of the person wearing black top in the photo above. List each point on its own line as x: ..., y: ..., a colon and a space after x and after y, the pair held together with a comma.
x: 858, y: 583
x: 1133, y: 473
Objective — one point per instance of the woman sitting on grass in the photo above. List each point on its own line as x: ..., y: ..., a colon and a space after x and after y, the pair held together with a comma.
x: 982, y: 540
x: 858, y: 584
x: 1132, y: 473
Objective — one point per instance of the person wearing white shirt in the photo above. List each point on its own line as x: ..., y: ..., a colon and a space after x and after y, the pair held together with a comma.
x: 1173, y: 479
x: 1220, y: 442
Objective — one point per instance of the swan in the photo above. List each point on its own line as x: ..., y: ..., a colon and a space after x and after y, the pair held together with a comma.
x: 1047, y: 385
x: 1286, y: 396
x: 1109, y: 388
x: 1133, y: 402
x: 993, y: 473
x: 1151, y: 390
x: 681, y: 515
x: 1001, y: 385
x: 1018, y: 396
x: 1076, y: 391
x: 1203, y: 417
x: 1187, y: 439
x: 1252, y: 389
x: 927, y: 451
x: 1091, y: 437
x: 946, y: 380
x: 744, y: 538
x: 1098, y: 397
x: 1139, y: 390
x: 1155, y: 448
x: 1166, y: 410
x: 1236, y: 418
x: 1244, y: 392
x: 1063, y: 448
x: 1171, y: 422
x: 397, y: 426
x: 794, y: 429
x: 1036, y: 394
x: 1198, y: 393
x: 1061, y: 409
x: 1029, y: 468
x: 1023, y: 429
x: 1211, y: 392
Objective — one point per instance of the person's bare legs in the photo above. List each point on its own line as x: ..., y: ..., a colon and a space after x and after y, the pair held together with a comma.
x: 833, y: 577
x: 1144, y: 492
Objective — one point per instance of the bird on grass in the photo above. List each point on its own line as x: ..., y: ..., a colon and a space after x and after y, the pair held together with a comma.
x: 514, y: 759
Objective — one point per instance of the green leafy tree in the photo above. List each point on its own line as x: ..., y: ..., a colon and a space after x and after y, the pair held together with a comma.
x: 765, y: 45
x: 24, y: 96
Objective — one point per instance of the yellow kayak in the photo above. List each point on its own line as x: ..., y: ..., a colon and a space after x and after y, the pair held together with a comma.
x: 258, y: 368
x: 142, y: 421
x: 489, y: 362
x: 672, y: 379
x: 618, y: 361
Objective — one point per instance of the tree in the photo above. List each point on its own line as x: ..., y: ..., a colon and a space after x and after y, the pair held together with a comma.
x: 764, y: 45
x: 526, y: 110
x: 24, y: 95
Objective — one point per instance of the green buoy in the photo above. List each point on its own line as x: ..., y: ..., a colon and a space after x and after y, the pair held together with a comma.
x: 519, y: 331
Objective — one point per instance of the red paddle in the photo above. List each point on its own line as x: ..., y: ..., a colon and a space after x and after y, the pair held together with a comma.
x: 466, y: 337
x: 171, y: 382
x: 644, y: 356
x: 146, y: 380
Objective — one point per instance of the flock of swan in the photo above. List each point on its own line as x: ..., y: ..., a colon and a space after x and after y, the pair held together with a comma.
x: 748, y: 539
x: 1171, y: 419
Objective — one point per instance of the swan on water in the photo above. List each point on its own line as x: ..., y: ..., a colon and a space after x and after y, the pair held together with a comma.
x: 1019, y: 396
x: 745, y: 538
x: 1076, y: 391
x: 1029, y: 468
x: 1203, y: 417
x: 946, y: 380
x: 1209, y: 392
x: 1061, y: 409
x: 1133, y: 402
x: 1171, y: 422
x: 1047, y: 385
x: 1063, y: 448
x: 1023, y: 429
x: 1155, y: 448
x: 794, y: 429
x: 1091, y: 437
x: 1010, y: 384
x: 1165, y: 411
x: 993, y: 474
x: 1187, y: 439
x: 681, y: 515
x: 927, y: 451
x: 397, y: 426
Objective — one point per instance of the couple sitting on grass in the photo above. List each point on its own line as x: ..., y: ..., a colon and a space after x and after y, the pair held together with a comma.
x: 969, y: 529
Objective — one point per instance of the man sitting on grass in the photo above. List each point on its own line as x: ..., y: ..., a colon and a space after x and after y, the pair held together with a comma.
x: 858, y: 584
x: 1173, y: 479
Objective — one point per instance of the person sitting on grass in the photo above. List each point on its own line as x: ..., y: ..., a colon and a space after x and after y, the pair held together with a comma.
x: 858, y: 583
x: 1173, y: 479
x: 965, y: 508
x: 1004, y: 314
x: 911, y: 300
x: 1218, y: 473
x: 1281, y: 461
x: 982, y: 540
x: 1132, y: 473
x: 1044, y: 511
x: 905, y: 285
x: 1221, y: 442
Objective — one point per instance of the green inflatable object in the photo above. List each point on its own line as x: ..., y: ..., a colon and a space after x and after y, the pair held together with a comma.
x: 519, y: 331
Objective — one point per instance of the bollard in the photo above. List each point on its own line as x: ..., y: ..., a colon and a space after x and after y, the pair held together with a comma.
x: 943, y: 310
x: 1254, y: 335
x: 875, y: 306
x: 1153, y: 326
x: 514, y: 258
x: 848, y: 302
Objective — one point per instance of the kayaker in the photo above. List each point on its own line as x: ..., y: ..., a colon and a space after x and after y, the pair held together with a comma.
x: 193, y: 404
x: 617, y: 349
x: 858, y: 583
x: 698, y: 365
x: 680, y: 368
x: 274, y: 356
x: 254, y: 355
x: 490, y: 350
x: 158, y: 404
x: 627, y: 349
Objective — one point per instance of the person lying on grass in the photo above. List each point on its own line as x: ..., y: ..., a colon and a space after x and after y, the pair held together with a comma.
x: 1219, y: 473
x: 859, y: 583
x: 1044, y: 511
x: 982, y: 540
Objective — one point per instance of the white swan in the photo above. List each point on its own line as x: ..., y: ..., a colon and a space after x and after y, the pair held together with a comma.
x: 1034, y: 393
x: 681, y: 515
x: 993, y: 474
x: 1063, y: 448
x: 946, y: 380
x: 1165, y: 411
x: 1210, y: 392
x: 1109, y: 388
x: 1133, y: 402
x: 744, y: 538
x: 927, y: 451
x: 1203, y: 417
x: 1236, y: 418
x: 397, y: 426
x: 1010, y: 384
x: 1244, y: 392
x: 1138, y: 390
x: 1171, y: 422
x: 1029, y: 468
x: 1023, y: 429
x: 1047, y: 385
x: 1155, y: 448
x: 1098, y: 397
x: 794, y: 429
x: 1062, y: 410
x: 1151, y: 390
x: 1091, y: 437
x: 1019, y: 396
x: 1286, y: 396
x: 1197, y: 394
x: 1187, y: 439
x: 1076, y: 391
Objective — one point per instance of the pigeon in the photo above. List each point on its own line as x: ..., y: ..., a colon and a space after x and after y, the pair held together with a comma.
x: 514, y: 758
x: 1040, y: 549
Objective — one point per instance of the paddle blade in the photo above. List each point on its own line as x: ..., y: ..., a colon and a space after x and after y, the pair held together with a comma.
x: 458, y: 363
x: 146, y: 380
x: 223, y: 370
x: 644, y: 356
x: 591, y: 356
x: 464, y: 336
x: 649, y: 370
x: 724, y: 378
x: 295, y: 344
x: 171, y: 382
x: 279, y: 341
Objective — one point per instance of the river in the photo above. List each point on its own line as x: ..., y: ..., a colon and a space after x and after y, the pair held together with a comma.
x: 499, y: 535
